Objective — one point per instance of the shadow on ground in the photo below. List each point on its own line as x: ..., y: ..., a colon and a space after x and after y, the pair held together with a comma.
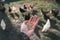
x: 52, y: 36
x: 10, y: 33
x: 58, y: 17
x: 37, y: 32
x: 53, y: 25
x: 8, y: 1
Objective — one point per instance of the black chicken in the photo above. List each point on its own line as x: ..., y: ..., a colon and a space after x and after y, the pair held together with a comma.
x: 23, y: 9
x: 55, y: 12
x: 44, y: 11
x: 2, y: 8
x: 26, y: 16
x: 44, y: 14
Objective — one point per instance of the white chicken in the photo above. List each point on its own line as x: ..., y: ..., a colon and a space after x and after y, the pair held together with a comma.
x: 3, y: 25
x: 46, y: 26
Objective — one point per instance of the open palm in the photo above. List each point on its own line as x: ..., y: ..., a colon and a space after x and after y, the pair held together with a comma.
x: 34, y: 21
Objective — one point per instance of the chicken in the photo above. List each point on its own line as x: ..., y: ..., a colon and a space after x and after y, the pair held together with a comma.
x: 3, y: 25
x: 14, y: 11
x: 46, y: 26
x: 55, y: 12
x: 44, y: 14
x: 25, y: 8
x: 44, y: 11
x: 2, y: 8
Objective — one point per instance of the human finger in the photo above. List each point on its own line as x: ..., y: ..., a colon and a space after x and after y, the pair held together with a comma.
x: 35, y: 23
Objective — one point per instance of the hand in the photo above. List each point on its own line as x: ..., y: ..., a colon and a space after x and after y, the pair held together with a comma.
x: 33, y: 20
